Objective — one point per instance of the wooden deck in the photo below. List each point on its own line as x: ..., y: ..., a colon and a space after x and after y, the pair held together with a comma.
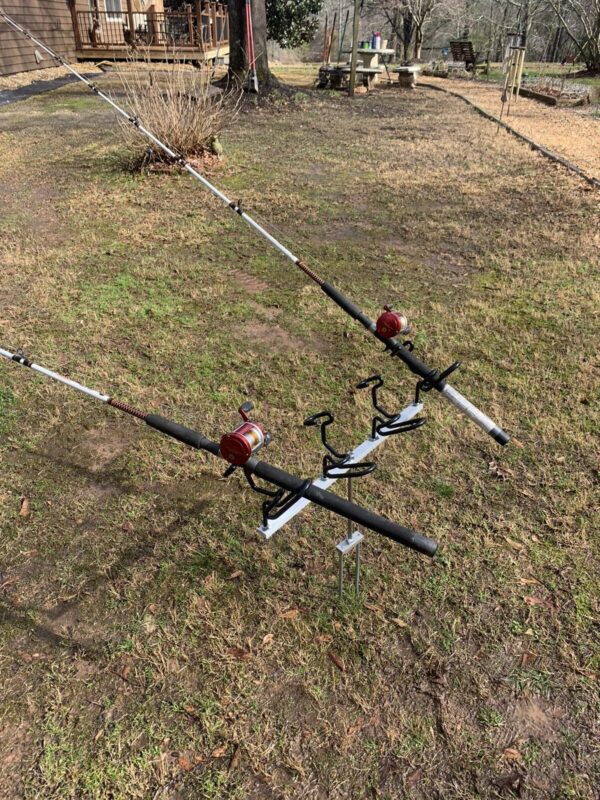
x: 200, y: 33
x: 124, y: 53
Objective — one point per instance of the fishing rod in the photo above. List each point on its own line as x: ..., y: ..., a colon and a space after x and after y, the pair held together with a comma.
x: 385, y: 329
x: 252, y: 76
x: 238, y: 449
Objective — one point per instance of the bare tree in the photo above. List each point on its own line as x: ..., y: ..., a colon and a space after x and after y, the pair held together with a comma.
x: 580, y: 20
x: 408, y: 19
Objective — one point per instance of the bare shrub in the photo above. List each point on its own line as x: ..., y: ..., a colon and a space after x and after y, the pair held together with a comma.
x: 180, y: 106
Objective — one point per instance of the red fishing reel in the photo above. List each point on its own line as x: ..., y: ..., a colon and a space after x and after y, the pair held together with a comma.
x: 238, y: 446
x: 391, y: 323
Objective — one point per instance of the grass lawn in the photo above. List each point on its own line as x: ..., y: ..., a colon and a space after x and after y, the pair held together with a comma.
x: 151, y: 646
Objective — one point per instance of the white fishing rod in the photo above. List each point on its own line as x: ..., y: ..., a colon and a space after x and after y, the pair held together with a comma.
x: 388, y: 325
x: 238, y: 449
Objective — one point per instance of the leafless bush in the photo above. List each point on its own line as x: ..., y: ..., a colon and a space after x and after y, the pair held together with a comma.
x: 180, y: 106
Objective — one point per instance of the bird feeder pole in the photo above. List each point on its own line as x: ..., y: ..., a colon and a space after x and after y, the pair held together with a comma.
x: 355, y: 25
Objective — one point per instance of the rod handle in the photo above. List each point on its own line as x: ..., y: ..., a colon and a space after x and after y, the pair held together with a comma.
x: 478, y: 417
x: 344, y: 508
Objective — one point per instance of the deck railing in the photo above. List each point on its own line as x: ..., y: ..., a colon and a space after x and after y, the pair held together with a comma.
x: 206, y: 28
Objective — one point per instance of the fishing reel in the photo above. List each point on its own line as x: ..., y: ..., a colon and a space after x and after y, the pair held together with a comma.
x: 337, y: 465
x: 247, y: 439
x: 382, y: 424
x: 391, y: 323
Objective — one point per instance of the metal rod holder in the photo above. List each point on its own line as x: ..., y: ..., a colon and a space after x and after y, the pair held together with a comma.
x: 352, y: 543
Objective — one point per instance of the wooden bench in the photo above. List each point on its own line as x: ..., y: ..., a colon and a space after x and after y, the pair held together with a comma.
x: 407, y: 76
x: 462, y: 50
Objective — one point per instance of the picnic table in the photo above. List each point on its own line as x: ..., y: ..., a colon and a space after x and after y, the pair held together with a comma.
x: 368, y: 59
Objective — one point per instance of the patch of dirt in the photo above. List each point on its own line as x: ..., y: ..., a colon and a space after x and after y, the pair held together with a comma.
x: 101, y: 447
x: 14, y: 743
x: 533, y: 718
x: 249, y: 283
x: 261, y: 334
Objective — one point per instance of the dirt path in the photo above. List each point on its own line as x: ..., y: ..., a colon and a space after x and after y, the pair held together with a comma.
x: 571, y: 135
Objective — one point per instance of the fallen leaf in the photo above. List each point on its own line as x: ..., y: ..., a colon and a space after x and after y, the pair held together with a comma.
x: 291, y: 614
x: 500, y: 471
x: 400, y: 622
x: 337, y: 661
x: 413, y: 778
x: 529, y: 582
x: 374, y: 609
x: 514, y: 544
x: 25, y: 509
x: 219, y: 752
x: 235, y: 759
x: 124, y: 673
x: 237, y: 652
x: 324, y: 638
x: 512, y: 755
x: 237, y: 574
x: 268, y: 639
x: 527, y: 658
x: 185, y: 764
x: 538, y: 601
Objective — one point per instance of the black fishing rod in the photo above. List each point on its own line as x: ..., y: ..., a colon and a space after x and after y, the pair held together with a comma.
x: 385, y: 329
x: 238, y: 449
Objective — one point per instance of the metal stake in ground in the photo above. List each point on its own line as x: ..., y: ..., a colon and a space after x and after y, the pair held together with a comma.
x: 238, y: 449
x: 430, y: 378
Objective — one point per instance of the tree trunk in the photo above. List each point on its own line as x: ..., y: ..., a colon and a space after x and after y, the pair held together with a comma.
x: 238, y: 66
x: 407, y: 31
x: 418, y: 41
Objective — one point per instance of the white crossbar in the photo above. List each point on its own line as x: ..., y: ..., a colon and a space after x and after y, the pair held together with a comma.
x: 357, y: 455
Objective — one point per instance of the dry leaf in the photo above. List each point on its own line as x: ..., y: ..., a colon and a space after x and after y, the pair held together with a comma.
x: 235, y: 759
x: 529, y: 582
x: 374, y: 609
x: 500, y: 471
x: 539, y: 601
x: 268, y: 639
x: 291, y: 614
x: 527, y: 658
x: 219, y: 752
x: 512, y: 755
x: 25, y: 510
x: 124, y: 673
x: 237, y: 574
x: 514, y: 544
x: 400, y: 622
x: 323, y: 638
x: 413, y: 778
x: 185, y: 764
x: 237, y: 652
x: 337, y: 661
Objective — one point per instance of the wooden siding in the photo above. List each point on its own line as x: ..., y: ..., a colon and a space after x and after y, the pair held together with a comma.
x: 51, y: 19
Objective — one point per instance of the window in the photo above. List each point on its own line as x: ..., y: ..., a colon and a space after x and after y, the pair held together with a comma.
x: 114, y: 9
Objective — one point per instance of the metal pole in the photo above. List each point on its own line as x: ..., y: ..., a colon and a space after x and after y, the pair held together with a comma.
x: 355, y: 26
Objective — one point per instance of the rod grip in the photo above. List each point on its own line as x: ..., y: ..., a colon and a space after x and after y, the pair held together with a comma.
x: 181, y: 433
x: 351, y: 511
x: 478, y: 417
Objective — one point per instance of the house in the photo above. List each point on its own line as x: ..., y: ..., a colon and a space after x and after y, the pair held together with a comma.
x: 95, y: 30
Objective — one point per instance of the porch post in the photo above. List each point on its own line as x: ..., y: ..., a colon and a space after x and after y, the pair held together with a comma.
x: 130, y: 18
x: 75, y: 23
x: 198, y: 11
